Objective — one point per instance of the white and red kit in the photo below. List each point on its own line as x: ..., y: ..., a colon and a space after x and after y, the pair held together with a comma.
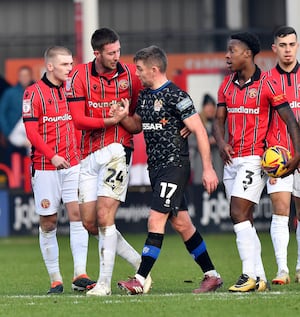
x: 91, y: 96
x: 248, y: 111
x: 290, y: 85
x: 49, y: 125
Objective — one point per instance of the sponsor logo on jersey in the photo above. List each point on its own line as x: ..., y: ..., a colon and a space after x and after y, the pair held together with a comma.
x: 295, y: 104
x: 184, y: 104
x: 65, y: 117
x: 152, y: 126
x: 243, y: 109
x: 106, y: 104
x: 252, y: 93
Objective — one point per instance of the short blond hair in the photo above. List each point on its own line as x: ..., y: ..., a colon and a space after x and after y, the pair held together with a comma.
x: 53, y: 51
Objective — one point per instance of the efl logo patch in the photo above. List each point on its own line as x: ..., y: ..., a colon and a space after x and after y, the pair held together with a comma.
x: 184, y: 104
x: 26, y: 108
x: 68, y: 84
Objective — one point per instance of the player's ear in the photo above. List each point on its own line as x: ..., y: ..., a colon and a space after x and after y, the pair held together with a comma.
x: 49, y: 66
x: 249, y: 53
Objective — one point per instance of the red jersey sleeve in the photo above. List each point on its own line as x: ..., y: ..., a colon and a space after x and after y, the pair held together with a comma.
x: 31, y: 114
x: 277, y: 97
x: 75, y: 89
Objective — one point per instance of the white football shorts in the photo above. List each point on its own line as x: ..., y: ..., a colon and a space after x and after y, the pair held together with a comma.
x: 282, y: 185
x: 296, y: 187
x: 244, y: 178
x: 104, y: 173
x: 50, y: 187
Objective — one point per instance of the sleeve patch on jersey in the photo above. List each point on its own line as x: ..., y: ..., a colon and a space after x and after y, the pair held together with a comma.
x: 26, y: 107
x: 279, y: 98
x: 184, y: 104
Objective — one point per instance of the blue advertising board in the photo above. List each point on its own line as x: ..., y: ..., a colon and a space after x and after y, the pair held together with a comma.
x: 4, y: 214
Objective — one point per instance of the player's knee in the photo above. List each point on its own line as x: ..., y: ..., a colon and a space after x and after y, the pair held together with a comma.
x: 181, y: 226
x: 48, y: 226
x: 91, y: 227
x: 48, y: 223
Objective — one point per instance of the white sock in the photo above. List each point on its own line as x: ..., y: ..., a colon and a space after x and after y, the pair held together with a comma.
x: 259, y: 267
x: 107, y: 252
x: 79, y: 239
x: 50, y: 253
x: 127, y: 252
x: 140, y: 278
x: 298, y: 243
x: 212, y: 273
x: 280, y: 237
x: 246, y: 248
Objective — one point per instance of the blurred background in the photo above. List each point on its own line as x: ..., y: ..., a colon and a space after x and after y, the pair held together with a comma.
x: 194, y: 35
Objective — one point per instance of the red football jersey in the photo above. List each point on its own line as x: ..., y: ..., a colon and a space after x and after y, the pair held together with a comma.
x: 49, y: 125
x: 91, y: 96
x: 248, y: 111
x: 290, y: 85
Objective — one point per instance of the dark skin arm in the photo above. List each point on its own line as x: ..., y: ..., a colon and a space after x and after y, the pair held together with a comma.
x: 225, y: 149
x: 288, y: 117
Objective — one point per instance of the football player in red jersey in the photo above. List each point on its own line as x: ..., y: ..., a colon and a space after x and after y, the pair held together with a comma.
x: 245, y: 99
x: 96, y: 88
x: 55, y: 166
x: 287, y: 74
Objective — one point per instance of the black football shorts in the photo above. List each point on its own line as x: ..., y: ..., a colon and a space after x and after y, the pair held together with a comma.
x: 168, y: 186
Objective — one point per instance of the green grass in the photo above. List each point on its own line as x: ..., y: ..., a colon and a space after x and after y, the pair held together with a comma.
x: 24, y: 282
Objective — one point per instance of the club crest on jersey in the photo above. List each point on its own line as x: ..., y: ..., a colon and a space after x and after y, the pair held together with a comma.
x: 45, y: 203
x: 157, y: 105
x: 123, y: 84
x: 252, y: 93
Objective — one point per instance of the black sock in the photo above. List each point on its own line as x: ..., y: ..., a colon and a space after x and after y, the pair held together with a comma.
x: 197, y: 248
x: 150, y: 252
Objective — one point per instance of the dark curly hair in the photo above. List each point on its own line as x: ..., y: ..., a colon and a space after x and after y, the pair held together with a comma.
x: 250, y: 39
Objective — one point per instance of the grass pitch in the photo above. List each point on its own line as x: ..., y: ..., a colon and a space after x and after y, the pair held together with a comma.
x: 24, y: 282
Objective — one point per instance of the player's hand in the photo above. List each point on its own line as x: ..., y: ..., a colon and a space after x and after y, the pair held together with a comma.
x: 210, y: 180
x: 185, y: 132
x: 272, y: 180
x: 121, y: 111
x: 226, y: 153
x: 291, y: 165
x: 59, y: 162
